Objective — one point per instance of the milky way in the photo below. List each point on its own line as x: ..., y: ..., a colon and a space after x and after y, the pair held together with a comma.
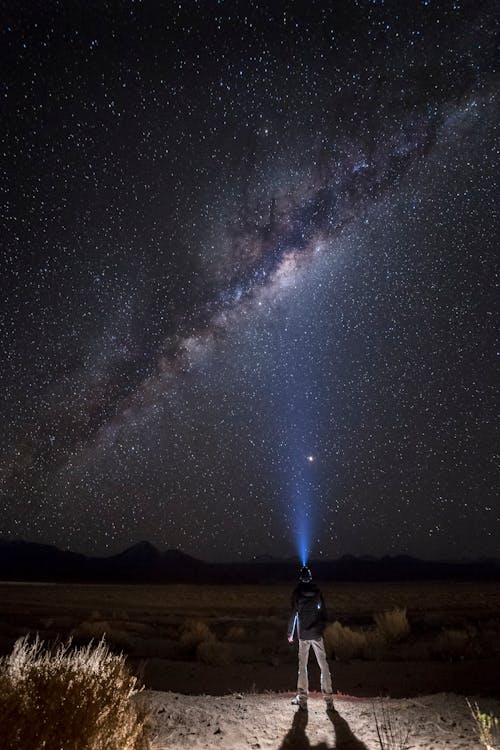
x: 250, y: 273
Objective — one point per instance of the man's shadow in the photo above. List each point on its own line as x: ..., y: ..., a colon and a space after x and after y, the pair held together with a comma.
x: 344, y: 738
x: 296, y: 739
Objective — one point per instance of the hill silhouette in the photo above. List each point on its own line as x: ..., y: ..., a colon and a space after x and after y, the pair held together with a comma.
x: 144, y: 563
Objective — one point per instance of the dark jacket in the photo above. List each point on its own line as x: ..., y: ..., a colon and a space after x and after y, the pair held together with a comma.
x: 309, y: 616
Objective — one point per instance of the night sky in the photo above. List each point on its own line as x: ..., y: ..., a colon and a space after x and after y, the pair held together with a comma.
x: 248, y: 257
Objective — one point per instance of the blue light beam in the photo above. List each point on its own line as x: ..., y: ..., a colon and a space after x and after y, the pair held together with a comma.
x: 301, y: 504
x: 298, y: 426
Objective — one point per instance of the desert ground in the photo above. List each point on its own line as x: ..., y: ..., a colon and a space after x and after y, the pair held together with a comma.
x: 219, y: 673
x: 269, y: 722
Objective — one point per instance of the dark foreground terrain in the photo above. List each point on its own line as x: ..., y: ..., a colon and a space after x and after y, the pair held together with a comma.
x: 221, y: 639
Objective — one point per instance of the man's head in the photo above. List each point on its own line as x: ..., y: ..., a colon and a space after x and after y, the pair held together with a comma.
x: 305, y: 574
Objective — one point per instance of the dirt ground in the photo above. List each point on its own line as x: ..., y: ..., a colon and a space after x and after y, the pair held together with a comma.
x: 268, y: 722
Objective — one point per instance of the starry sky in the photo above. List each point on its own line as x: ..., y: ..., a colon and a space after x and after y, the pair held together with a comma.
x: 249, y: 298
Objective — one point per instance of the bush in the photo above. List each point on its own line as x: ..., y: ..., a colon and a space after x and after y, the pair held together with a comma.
x: 197, y: 641
x: 236, y: 633
x: 451, y: 643
x: 192, y: 634
x: 487, y: 725
x: 71, y: 698
x: 344, y: 642
x: 95, y: 630
x: 213, y: 652
x: 393, y: 624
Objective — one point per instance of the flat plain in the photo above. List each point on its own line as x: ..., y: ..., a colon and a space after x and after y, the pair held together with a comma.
x: 454, y: 639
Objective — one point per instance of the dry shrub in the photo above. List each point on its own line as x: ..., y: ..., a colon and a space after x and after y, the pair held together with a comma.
x: 236, y: 633
x: 487, y: 726
x: 213, y: 652
x: 393, y: 624
x: 451, y: 643
x: 71, y: 698
x: 344, y: 642
x: 95, y: 630
x: 393, y: 733
x: 192, y: 634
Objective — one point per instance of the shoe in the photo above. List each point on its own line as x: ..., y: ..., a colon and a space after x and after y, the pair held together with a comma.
x: 300, y: 702
x: 329, y: 704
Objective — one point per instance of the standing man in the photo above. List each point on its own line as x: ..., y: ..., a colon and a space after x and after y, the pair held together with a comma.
x: 308, y: 621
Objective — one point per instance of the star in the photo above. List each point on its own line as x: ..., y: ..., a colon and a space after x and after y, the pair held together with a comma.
x: 241, y: 234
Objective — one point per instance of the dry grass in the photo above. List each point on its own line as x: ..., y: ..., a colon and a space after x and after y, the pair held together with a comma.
x: 487, y: 725
x: 236, y: 634
x: 392, y: 733
x: 214, y: 652
x: 344, y: 642
x: 71, y: 698
x: 197, y: 641
x: 193, y: 633
x: 393, y: 624
x: 95, y: 630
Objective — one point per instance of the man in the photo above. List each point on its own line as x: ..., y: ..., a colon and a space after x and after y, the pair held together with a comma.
x: 308, y: 621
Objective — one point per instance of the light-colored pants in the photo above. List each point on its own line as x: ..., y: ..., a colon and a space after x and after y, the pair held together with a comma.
x: 303, y: 681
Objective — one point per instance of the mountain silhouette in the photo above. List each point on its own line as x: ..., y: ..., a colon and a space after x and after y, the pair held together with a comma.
x: 144, y: 563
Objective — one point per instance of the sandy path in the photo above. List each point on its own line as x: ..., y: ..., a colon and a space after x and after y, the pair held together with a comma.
x: 267, y: 721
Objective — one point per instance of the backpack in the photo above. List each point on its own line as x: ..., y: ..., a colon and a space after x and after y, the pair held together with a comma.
x: 309, y: 609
